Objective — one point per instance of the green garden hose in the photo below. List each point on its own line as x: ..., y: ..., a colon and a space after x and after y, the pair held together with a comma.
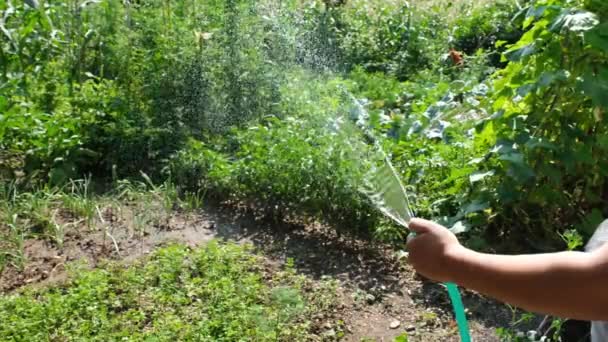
x: 461, y: 318
x: 386, y: 191
x: 458, y: 307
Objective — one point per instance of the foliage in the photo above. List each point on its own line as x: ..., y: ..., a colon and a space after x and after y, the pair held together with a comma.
x: 214, y: 293
x: 239, y: 98
x: 489, y: 28
x: 546, y: 138
x: 288, y: 167
x: 251, y: 101
x: 87, y: 83
x: 390, y: 38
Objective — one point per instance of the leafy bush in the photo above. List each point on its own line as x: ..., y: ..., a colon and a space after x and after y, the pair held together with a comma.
x: 97, y: 81
x: 547, y: 136
x: 287, y: 167
x: 198, y: 167
x: 392, y: 38
x: 486, y: 27
x: 214, y: 293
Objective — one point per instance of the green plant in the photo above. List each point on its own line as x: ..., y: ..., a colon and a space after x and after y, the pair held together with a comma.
x: 388, y: 37
x: 13, y: 250
x: 489, y: 28
x: 193, y: 200
x: 79, y: 200
x: 548, y: 130
x: 214, y: 293
x: 573, y: 239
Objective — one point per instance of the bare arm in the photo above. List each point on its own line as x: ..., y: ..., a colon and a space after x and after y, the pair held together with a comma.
x: 567, y: 284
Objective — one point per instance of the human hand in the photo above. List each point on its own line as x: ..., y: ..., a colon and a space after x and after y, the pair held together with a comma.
x: 433, y: 250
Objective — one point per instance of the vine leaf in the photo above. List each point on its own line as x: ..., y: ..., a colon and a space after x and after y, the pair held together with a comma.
x: 598, y: 37
x: 596, y: 87
x: 521, y: 53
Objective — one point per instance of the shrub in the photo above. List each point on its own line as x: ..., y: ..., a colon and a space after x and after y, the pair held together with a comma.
x: 391, y: 38
x: 547, y: 136
x: 489, y: 27
x: 286, y: 167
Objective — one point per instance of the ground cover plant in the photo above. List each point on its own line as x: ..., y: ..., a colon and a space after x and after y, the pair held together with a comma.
x: 215, y: 293
x: 492, y: 112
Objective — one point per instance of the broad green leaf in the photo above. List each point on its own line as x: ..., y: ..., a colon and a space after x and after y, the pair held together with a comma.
x: 518, y: 54
x: 548, y: 77
x: 500, y: 43
x: 540, y: 11
x: 514, y: 157
x: 598, y: 37
x: 521, y: 173
x: 596, y: 87
x: 526, y: 89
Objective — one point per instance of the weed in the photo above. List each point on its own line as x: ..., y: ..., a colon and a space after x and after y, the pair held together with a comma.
x: 215, y: 293
x: 14, y: 254
x: 79, y: 201
x: 193, y: 200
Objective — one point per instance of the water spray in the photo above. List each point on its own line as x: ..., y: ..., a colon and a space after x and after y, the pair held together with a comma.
x: 384, y: 188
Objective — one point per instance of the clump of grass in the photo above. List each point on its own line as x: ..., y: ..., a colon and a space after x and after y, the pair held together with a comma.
x: 79, y: 200
x: 216, y: 293
x: 12, y: 250
x: 193, y: 200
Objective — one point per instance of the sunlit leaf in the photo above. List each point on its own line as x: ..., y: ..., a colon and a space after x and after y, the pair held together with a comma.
x: 460, y: 227
x: 575, y: 21
x: 479, y: 176
x: 474, y: 207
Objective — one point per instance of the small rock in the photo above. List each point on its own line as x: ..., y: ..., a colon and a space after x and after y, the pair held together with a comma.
x: 410, y: 328
x: 370, y: 298
x: 395, y: 324
x: 330, y: 333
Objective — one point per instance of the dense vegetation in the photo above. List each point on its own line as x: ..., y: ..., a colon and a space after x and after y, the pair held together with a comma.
x: 215, y: 293
x: 503, y: 136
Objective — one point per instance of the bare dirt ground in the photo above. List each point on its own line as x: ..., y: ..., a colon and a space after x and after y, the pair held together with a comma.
x: 380, y: 297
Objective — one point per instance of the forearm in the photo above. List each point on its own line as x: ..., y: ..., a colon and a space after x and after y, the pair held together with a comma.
x: 568, y: 284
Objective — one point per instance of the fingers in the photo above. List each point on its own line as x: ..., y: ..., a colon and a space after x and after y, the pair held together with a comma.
x: 421, y: 226
x: 413, y: 242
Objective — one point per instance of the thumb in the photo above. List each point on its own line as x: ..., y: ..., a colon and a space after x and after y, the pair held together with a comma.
x: 422, y: 226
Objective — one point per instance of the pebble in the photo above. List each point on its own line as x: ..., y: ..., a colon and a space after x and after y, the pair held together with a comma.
x: 410, y: 328
x: 395, y: 324
x: 370, y: 298
x: 330, y: 333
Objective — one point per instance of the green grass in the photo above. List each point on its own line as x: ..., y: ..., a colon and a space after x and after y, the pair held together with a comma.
x: 217, y: 293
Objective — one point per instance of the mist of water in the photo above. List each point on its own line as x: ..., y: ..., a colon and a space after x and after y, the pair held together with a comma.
x: 381, y: 183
